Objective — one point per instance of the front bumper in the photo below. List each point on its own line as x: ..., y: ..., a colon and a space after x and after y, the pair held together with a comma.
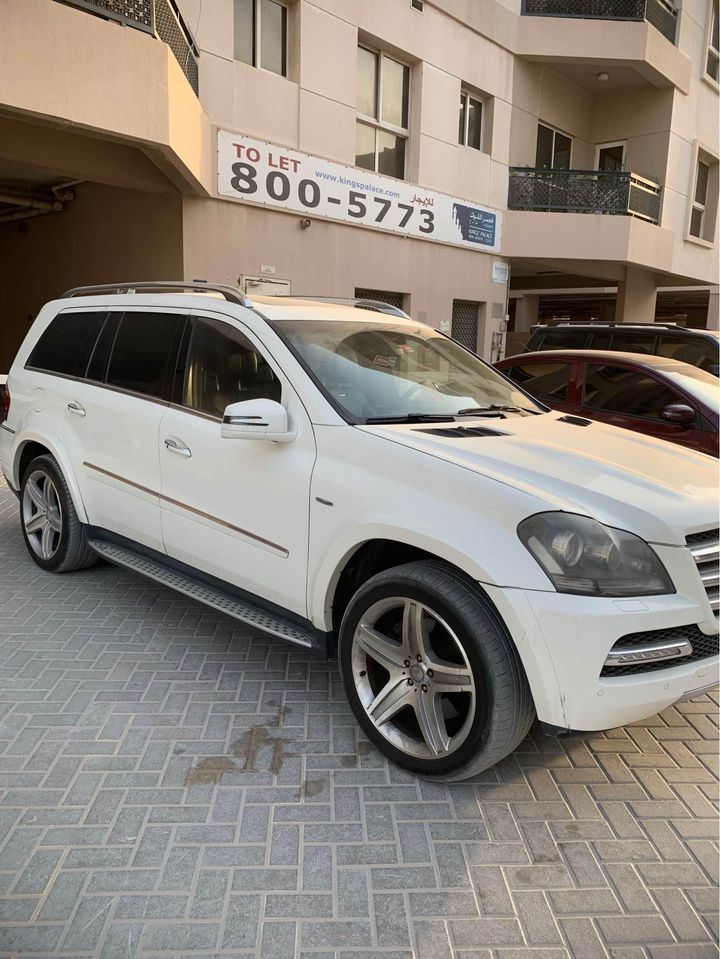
x: 564, y: 640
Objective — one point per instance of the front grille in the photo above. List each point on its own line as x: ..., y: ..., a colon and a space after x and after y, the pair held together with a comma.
x: 703, y: 646
x: 705, y: 549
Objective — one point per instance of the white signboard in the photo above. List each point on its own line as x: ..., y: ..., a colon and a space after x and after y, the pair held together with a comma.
x: 261, y: 172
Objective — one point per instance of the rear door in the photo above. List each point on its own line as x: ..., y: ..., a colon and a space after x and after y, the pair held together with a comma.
x: 550, y: 381
x: 111, y: 420
x: 633, y: 398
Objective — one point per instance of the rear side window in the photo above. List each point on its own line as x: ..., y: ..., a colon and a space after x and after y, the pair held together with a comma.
x: 547, y: 381
x: 695, y: 350
x: 633, y: 342
x: 563, y: 339
x: 143, y: 348
x: 66, y: 344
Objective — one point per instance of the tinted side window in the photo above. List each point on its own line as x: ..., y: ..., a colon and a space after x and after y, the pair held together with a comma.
x: 634, y: 342
x: 224, y: 367
x: 695, y: 350
x: 97, y: 367
x: 66, y: 344
x: 547, y: 381
x: 564, y: 339
x: 141, y: 354
x: 601, y: 341
x: 627, y: 391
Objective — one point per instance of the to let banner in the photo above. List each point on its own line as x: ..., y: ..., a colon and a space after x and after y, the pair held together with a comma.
x: 264, y: 173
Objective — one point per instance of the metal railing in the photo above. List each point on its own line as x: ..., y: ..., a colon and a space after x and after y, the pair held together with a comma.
x: 660, y: 13
x: 160, y: 18
x: 584, y: 191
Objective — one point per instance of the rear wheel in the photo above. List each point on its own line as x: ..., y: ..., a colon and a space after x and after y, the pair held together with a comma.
x: 54, y: 536
x: 431, y: 673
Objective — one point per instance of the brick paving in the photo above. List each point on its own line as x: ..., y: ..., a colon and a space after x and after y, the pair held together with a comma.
x: 173, y: 785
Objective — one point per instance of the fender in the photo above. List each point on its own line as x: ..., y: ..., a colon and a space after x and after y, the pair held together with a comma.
x: 60, y: 454
x: 323, y: 580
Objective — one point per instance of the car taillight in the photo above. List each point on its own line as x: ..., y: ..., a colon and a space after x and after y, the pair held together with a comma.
x: 5, y: 390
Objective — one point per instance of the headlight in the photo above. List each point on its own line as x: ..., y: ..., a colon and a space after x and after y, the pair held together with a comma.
x: 582, y: 556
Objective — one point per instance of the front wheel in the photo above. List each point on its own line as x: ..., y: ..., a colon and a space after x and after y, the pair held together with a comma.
x: 431, y: 672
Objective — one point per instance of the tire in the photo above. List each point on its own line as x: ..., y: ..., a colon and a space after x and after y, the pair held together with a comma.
x: 54, y: 536
x: 446, y: 723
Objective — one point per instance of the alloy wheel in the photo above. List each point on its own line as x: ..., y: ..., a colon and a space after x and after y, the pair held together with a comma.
x: 413, y: 678
x: 42, y: 514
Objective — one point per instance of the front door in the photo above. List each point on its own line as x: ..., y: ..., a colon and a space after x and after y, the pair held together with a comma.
x: 634, y: 399
x: 236, y: 509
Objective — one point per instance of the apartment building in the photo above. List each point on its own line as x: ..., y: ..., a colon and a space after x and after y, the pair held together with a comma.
x: 468, y: 160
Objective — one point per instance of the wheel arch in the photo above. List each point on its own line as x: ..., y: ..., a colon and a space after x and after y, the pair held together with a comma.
x: 375, y: 555
x: 30, y: 446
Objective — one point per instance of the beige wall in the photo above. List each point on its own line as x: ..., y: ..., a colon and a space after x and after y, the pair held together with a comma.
x: 224, y: 240
x: 104, y: 235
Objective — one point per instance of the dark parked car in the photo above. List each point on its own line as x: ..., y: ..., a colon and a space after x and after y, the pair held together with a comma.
x: 651, y: 394
x: 698, y: 347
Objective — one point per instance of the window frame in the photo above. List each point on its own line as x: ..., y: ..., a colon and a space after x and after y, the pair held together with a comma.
x: 555, y: 132
x: 257, y: 38
x: 695, y: 204
x: 604, y: 146
x: 711, y: 51
x: 102, y: 312
x: 704, y: 154
x: 377, y: 123
x: 465, y: 96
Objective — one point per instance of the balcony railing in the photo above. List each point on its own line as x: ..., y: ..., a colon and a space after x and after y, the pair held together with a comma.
x: 584, y: 191
x: 160, y: 18
x: 660, y: 13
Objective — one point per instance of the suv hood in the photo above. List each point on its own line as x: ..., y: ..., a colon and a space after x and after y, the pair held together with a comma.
x: 655, y: 489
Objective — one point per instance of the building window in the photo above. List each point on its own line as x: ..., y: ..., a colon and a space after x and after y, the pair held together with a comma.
x: 712, y: 67
x: 464, y: 327
x: 383, y: 95
x: 699, y: 205
x: 471, y: 118
x: 553, y: 149
x: 261, y: 34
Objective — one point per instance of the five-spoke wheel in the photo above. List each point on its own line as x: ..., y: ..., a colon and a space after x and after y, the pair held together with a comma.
x: 413, y: 677
x: 42, y: 514
x: 431, y: 672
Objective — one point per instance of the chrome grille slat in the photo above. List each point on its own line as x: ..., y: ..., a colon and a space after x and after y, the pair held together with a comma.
x: 705, y: 550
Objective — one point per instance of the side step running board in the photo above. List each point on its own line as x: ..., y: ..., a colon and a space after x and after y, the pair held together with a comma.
x: 209, y: 595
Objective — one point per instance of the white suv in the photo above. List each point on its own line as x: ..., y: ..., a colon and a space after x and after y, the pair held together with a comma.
x: 357, y: 483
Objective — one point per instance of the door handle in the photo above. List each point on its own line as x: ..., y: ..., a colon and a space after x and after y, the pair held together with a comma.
x: 174, y: 445
x: 76, y: 408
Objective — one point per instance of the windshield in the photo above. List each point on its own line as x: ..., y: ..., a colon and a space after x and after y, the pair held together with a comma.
x: 376, y: 370
x: 700, y: 384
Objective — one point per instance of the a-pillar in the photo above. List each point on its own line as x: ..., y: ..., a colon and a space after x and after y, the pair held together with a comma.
x: 636, y: 297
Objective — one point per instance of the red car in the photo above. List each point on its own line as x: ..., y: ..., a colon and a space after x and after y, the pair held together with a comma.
x: 651, y: 394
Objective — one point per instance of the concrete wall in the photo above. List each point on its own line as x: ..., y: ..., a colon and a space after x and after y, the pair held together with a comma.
x: 104, y: 235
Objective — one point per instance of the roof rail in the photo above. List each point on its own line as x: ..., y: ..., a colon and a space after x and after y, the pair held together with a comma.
x: 231, y: 293
x: 611, y: 323
x: 360, y: 303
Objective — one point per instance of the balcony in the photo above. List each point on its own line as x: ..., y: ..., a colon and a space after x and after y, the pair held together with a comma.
x: 159, y: 18
x: 584, y: 191
x: 660, y: 13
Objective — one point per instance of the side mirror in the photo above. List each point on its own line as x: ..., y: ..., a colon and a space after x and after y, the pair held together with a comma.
x: 679, y: 413
x: 257, y: 420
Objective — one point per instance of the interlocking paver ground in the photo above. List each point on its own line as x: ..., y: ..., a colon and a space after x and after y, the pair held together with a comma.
x: 173, y: 785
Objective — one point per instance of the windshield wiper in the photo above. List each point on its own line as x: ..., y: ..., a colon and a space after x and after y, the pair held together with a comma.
x: 412, y: 418
x: 494, y: 410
